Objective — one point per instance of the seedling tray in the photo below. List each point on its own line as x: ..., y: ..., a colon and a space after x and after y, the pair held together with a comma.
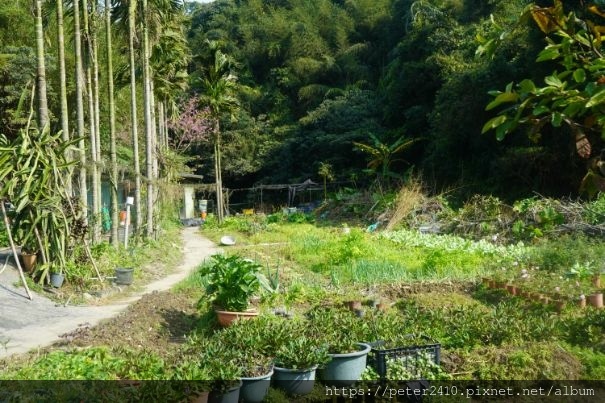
x: 408, y: 354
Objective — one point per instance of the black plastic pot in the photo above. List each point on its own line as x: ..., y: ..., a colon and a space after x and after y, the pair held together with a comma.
x: 231, y: 395
x: 124, y: 275
x: 56, y: 279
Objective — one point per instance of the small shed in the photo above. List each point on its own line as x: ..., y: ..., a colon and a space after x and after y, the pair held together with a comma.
x: 293, y: 189
x: 189, y: 202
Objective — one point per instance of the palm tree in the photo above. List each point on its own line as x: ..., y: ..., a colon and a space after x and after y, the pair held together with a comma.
x: 90, y: 61
x: 112, y: 127
x: 149, y: 152
x: 154, y: 16
x: 80, y: 108
x: 132, y: 11
x: 219, y: 86
x: 169, y: 61
x: 94, y: 28
x: 63, y: 85
x: 41, y: 70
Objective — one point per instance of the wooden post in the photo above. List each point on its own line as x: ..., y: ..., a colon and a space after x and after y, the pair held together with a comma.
x: 14, y: 249
x: 129, y: 202
x: 126, y: 226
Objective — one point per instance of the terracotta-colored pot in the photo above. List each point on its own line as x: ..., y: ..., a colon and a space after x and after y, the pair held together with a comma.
x: 354, y: 305
x: 501, y: 284
x: 29, y: 261
x: 596, y: 300
x: 492, y: 284
x: 512, y: 290
x: 536, y: 296
x: 559, y: 306
x: 199, y: 397
x: 225, y: 318
x: 596, y: 280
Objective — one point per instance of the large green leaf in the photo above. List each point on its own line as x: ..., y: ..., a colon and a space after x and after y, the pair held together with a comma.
x: 550, y: 53
x: 493, y: 123
x: 579, y: 75
x: 556, y: 119
x: 527, y: 86
x: 596, y: 99
x: 502, y: 98
x: 553, y: 81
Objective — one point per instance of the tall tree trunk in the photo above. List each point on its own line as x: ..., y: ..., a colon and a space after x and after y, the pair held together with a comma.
x: 92, y: 126
x: 148, y: 121
x: 154, y: 163
x: 220, y: 205
x: 132, y: 8
x: 63, y: 85
x: 80, y: 109
x: 112, y: 128
x: 41, y: 68
x: 96, y: 95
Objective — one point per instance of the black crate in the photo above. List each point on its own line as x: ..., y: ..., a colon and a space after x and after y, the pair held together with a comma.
x: 409, y: 355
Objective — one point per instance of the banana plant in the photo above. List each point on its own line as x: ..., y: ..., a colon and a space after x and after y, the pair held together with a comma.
x: 382, y: 155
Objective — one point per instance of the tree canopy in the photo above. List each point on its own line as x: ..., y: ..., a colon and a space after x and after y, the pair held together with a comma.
x: 316, y: 78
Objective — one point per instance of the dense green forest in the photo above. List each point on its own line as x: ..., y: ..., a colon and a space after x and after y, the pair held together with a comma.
x: 321, y: 75
x: 396, y: 86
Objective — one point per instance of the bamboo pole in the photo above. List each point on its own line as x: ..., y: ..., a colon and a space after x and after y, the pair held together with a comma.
x: 14, y: 249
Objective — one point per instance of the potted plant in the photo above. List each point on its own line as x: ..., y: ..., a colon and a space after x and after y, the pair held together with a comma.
x: 226, y: 388
x: 230, y: 283
x: 347, y: 357
x: 29, y: 253
x: 596, y: 278
x: 296, y: 362
x: 197, y: 386
x: 124, y: 275
x: 56, y: 276
x: 220, y: 363
x: 251, y: 345
x: 347, y: 362
x: 124, y: 270
x: 596, y: 299
x: 256, y: 373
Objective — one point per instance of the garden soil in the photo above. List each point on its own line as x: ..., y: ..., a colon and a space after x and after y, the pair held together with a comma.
x: 142, y: 320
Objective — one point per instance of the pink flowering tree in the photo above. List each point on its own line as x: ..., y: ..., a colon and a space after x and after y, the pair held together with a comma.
x: 193, y: 125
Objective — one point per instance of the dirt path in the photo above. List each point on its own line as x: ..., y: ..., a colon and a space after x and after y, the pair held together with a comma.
x: 25, y: 324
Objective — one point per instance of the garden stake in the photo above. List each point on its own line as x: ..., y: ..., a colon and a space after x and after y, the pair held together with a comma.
x: 10, y: 239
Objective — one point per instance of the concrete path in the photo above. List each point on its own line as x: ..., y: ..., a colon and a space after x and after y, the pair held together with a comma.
x: 25, y: 324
